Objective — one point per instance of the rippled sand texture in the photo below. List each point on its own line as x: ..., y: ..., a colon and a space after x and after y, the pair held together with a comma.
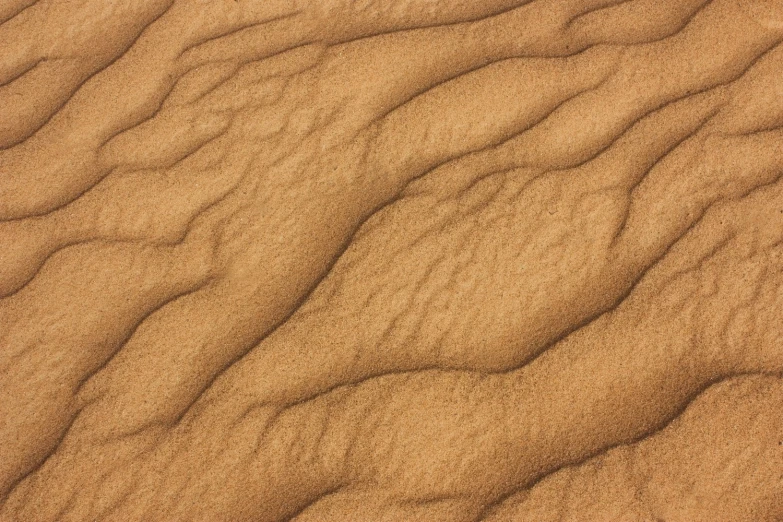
x: 356, y: 260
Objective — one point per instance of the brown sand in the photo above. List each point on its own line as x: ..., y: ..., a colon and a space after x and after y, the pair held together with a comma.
x: 356, y: 260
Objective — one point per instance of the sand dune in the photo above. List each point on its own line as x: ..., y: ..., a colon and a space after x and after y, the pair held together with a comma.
x: 339, y: 260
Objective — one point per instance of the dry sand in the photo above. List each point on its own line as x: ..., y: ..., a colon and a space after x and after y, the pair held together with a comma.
x: 391, y: 260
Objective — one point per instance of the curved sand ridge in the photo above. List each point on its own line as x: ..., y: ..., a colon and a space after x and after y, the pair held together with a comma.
x: 355, y: 260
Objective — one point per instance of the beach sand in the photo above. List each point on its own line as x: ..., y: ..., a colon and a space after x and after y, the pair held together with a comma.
x: 399, y: 260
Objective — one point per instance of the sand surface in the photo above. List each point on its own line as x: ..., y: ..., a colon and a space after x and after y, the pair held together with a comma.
x: 391, y: 260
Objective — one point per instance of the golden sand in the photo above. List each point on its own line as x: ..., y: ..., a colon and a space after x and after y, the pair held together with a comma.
x: 392, y: 260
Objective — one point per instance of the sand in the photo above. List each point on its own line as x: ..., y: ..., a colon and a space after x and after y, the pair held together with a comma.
x: 404, y: 260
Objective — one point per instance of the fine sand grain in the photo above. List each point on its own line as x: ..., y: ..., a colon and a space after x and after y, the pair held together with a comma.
x: 391, y: 260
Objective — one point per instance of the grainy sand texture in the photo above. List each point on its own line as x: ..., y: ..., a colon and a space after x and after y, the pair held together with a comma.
x: 391, y: 260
